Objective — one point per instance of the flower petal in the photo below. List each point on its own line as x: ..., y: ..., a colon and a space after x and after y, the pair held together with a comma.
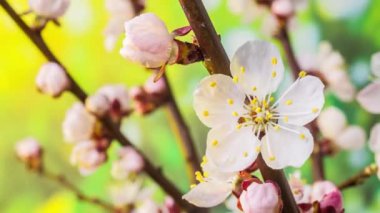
x: 374, y: 138
x: 332, y: 121
x: 302, y: 102
x: 369, y: 98
x: 208, y: 194
x: 352, y: 138
x: 217, y: 100
x: 288, y: 146
x: 232, y: 149
x: 375, y: 64
x: 257, y: 67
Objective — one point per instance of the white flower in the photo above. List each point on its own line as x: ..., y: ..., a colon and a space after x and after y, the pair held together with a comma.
x: 86, y: 156
x: 214, y: 186
x: 148, y: 42
x: 128, y: 192
x: 28, y: 149
x: 49, y: 8
x: 129, y: 161
x: 98, y: 104
x: 78, y: 124
x: 117, y: 95
x: 369, y: 97
x: 238, y: 109
x: 52, y: 79
x: 333, y: 125
x: 332, y: 66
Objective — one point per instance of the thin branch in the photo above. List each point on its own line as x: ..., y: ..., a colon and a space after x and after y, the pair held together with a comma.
x: 217, y: 62
x: 358, y: 179
x: 149, y: 168
x: 179, y: 126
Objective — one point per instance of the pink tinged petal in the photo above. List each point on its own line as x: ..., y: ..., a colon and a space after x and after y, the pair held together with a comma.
x: 374, y: 138
x: 257, y: 67
x: 287, y: 146
x: 260, y: 198
x: 214, y: 172
x: 369, y: 98
x: 375, y: 64
x: 49, y: 9
x: 208, y: 194
x: 352, y: 138
x: 217, y: 101
x: 321, y: 188
x: 340, y: 84
x: 332, y: 201
x: 377, y: 161
x: 232, y: 149
x: 303, y: 101
x: 331, y: 122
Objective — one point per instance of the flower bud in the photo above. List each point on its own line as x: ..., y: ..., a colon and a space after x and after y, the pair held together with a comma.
x: 118, y: 97
x: 30, y: 152
x: 52, y: 79
x: 86, y: 156
x: 98, y: 104
x: 352, y: 138
x: 332, y: 202
x: 155, y: 88
x: 322, y: 188
x: 331, y: 122
x: 78, y: 124
x: 49, y: 8
x: 261, y: 198
x: 283, y: 8
x: 148, y: 42
x: 129, y: 161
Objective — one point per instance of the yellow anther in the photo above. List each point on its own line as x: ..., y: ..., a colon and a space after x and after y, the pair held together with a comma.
x: 289, y: 102
x: 302, y: 136
x: 286, y: 119
x: 259, y: 120
x: 199, y: 177
x: 193, y: 185
x: 230, y: 101
x: 235, y: 79
x: 238, y: 126
x: 268, y: 115
x: 276, y: 127
x: 302, y: 74
x: 315, y: 110
x: 206, y: 174
x: 274, y: 61
x: 206, y: 113
x: 254, y: 88
x: 254, y: 101
x: 215, y: 142
x: 213, y: 84
x: 245, y: 154
x: 242, y: 69
x: 258, y: 149
x: 271, y: 99
x: 272, y: 158
x: 235, y: 114
x: 204, y: 159
x: 274, y: 74
x: 258, y: 110
x: 265, y: 103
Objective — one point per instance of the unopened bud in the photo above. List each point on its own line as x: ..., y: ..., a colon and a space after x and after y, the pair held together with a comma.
x: 49, y: 8
x: 98, y: 104
x: 52, y: 79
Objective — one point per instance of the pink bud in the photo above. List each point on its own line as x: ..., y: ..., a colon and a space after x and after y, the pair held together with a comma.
x: 98, y: 104
x: 116, y: 93
x: 52, y: 79
x: 321, y: 188
x: 155, y: 88
x: 170, y: 206
x: 28, y: 149
x: 49, y: 8
x: 148, y: 42
x: 129, y: 161
x: 332, y: 201
x: 283, y: 8
x: 260, y: 198
x: 86, y: 156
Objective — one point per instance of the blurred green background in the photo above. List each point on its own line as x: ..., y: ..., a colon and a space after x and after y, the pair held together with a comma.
x: 351, y: 26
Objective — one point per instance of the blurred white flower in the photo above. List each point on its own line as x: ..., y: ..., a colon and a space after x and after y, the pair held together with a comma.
x: 148, y: 42
x: 49, y: 8
x: 129, y: 161
x: 263, y: 197
x: 332, y: 66
x: 52, y: 79
x: 147, y: 205
x: 374, y: 144
x: 239, y: 109
x: 214, y: 186
x: 98, y: 104
x: 78, y: 124
x: 232, y: 205
x: 369, y: 97
x: 128, y: 192
x: 333, y: 125
x: 28, y: 149
x: 118, y: 97
x: 300, y: 190
x: 86, y: 157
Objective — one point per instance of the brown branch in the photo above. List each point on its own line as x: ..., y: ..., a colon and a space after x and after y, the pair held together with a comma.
x: 179, y: 126
x: 150, y: 169
x: 217, y: 62
x: 358, y: 179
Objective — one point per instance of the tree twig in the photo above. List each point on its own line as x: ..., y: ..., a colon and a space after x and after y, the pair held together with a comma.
x: 149, y: 168
x: 359, y: 178
x: 217, y: 62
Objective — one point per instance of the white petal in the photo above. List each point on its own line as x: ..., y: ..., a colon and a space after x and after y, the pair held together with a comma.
x: 289, y: 148
x: 231, y: 149
x: 374, y: 139
x: 377, y: 160
x: 369, y: 98
x: 352, y: 138
x: 332, y: 121
x: 303, y: 101
x: 253, y: 66
x: 214, y: 172
x: 216, y: 99
x: 375, y: 64
x: 208, y: 194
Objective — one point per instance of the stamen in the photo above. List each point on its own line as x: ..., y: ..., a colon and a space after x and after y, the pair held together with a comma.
x: 245, y: 154
x: 242, y: 69
x: 274, y: 61
x: 254, y: 88
x: 215, y: 142
x: 213, y: 84
x: 286, y: 119
x: 302, y: 136
x: 258, y: 149
x: 230, y: 101
x: 315, y: 110
x: 235, y: 79
x: 193, y: 185
x: 302, y: 74
x: 206, y: 113
x: 274, y: 74
x: 289, y: 102
x: 271, y: 156
x: 235, y: 114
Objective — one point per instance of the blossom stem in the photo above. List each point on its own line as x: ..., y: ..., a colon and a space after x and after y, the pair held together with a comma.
x: 359, y: 178
x: 154, y: 172
x: 179, y: 126
x: 216, y: 61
